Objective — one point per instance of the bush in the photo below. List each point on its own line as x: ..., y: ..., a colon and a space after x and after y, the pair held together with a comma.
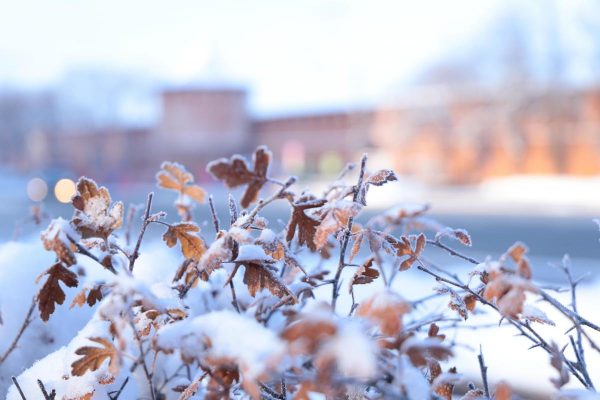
x: 263, y: 310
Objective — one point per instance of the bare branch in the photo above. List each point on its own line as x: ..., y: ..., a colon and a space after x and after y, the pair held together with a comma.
x: 28, y: 318
x: 135, y: 254
x: 346, y: 238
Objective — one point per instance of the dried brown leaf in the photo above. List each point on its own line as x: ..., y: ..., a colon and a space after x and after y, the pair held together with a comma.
x: 257, y: 277
x: 235, y: 172
x: 52, y: 293
x: 364, y: 274
x: 305, y: 225
x: 192, y: 246
x: 458, y: 234
x: 94, y: 357
x: 175, y: 177
x: 52, y: 242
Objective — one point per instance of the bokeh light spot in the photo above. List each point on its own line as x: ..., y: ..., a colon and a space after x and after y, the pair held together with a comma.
x: 37, y: 189
x: 64, y: 190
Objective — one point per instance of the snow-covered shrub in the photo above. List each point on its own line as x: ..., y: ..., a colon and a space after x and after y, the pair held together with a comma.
x: 315, y: 308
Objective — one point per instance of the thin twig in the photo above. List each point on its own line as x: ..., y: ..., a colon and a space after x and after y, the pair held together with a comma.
x: 524, y: 328
x: 263, y: 203
x: 147, y: 373
x: 452, y: 251
x: 483, y: 368
x: 50, y: 396
x: 14, y: 379
x: 213, y: 213
x: 87, y: 253
x: 346, y: 238
x: 24, y: 325
x: 118, y: 393
x: 234, y: 297
x: 136, y: 251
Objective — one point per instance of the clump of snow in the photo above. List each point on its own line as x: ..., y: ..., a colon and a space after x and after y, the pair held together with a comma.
x: 267, y: 236
x: 252, y: 252
x: 60, y: 228
x: 231, y: 336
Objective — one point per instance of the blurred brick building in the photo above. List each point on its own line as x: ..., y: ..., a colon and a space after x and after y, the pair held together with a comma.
x: 436, y: 135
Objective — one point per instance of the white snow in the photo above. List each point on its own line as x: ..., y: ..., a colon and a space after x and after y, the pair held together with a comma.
x: 252, y: 252
x: 231, y: 336
x: 353, y: 350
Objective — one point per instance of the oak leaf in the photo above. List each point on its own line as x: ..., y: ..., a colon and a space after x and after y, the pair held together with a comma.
x: 305, y: 225
x: 94, y: 357
x: 52, y: 293
x: 378, y: 178
x: 94, y: 216
x: 235, y: 172
x: 192, y: 246
x: 175, y: 177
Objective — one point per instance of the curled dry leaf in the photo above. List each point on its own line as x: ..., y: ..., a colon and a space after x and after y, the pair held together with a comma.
x: 235, y: 172
x: 51, y: 238
x: 94, y: 216
x: 385, y: 309
x: 459, y: 234
x: 175, y: 177
x: 192, y: 246
x: 52, y: 293
x: 94, y: 357
x: 517, y: 252
x: 378, y: 178
x: 92, y: 297
x: 364, y: 274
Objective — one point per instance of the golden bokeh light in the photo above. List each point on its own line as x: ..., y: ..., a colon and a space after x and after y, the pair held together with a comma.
x: 64, y: 190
